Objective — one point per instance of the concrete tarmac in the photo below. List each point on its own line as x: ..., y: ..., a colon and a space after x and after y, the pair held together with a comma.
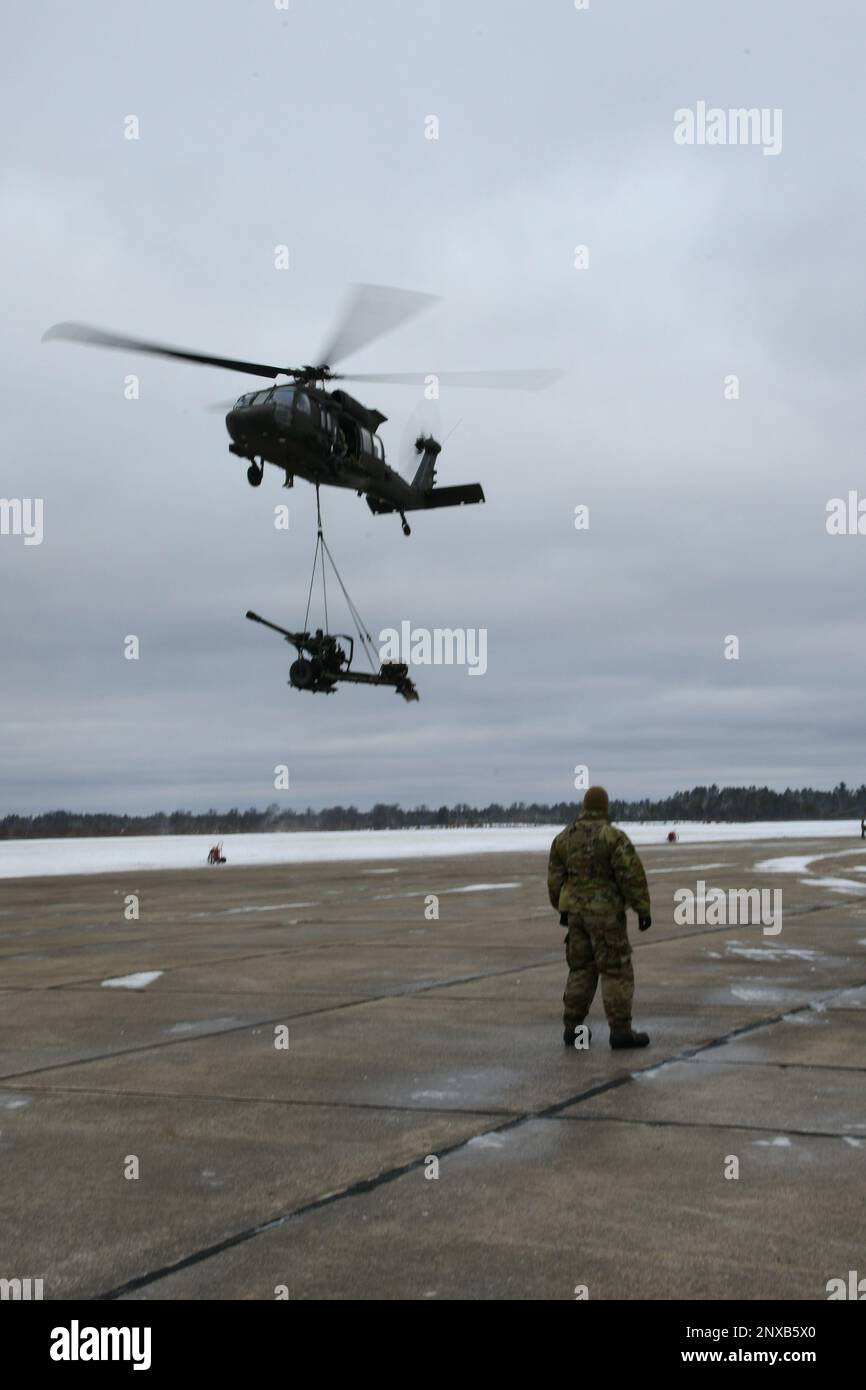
x: 325, y: 1091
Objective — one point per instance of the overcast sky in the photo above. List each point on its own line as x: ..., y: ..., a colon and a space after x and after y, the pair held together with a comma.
x: 306, y: 127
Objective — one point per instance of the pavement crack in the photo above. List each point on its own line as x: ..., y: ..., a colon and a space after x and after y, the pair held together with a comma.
x: 702, y: 1124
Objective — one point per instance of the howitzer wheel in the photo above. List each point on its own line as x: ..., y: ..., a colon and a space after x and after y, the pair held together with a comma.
x: 304, y: 674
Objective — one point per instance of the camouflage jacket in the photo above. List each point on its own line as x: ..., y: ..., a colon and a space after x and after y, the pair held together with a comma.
x: 594, y: 867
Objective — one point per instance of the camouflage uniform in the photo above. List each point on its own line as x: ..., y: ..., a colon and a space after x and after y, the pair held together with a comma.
x: 594, y: 874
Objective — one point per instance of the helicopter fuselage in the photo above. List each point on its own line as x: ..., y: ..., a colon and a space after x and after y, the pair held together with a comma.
x: 324, y: 437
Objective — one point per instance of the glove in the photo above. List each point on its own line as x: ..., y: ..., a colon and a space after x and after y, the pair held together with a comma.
x: 563, y: 919
x: 644, y: 923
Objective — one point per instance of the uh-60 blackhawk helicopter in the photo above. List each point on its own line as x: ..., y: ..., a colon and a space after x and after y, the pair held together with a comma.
x: 326, y: 436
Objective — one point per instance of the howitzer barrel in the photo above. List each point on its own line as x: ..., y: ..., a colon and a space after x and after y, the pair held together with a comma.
x: 289, y: 636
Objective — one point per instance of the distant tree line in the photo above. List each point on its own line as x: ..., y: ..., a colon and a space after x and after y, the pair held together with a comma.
x: 700, y: 804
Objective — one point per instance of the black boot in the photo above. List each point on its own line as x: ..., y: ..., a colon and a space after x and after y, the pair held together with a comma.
x: 571, y: 1029
x: 627, y: 1037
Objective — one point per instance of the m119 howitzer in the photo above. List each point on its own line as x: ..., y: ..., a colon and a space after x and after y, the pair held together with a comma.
x: 322, y: 661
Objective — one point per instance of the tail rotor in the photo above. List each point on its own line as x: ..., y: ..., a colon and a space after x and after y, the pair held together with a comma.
x: 422, y: 429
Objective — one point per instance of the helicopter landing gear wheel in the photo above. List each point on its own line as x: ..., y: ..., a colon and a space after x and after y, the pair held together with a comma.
x: 407, y: 529
x: 255, y: 473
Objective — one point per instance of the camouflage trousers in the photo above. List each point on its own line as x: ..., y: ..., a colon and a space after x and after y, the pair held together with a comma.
x: 598, y: 946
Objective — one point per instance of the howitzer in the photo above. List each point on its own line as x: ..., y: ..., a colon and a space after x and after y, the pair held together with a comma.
x: 322, y: 662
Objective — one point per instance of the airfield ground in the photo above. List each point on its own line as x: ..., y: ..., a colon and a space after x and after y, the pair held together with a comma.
x: 305, y: 1167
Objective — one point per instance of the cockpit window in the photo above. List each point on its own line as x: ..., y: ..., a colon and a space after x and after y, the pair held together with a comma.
x: 244, y: 400
x: 302, y: 403
x: 283, y: 395
x: 260, y: 397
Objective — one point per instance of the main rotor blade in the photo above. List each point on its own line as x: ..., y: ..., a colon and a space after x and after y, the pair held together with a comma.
x: 504, y: 381
x: 98, y: 337
x: 371, y: 311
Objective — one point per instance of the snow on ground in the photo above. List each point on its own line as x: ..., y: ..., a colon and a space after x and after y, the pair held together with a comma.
x: 786, y: 864
x: 689, y: 868
x: 774, y: 953
x: 799, y: 863
x: 122, y: 854
x: 483, y: 887
x: 470, y: 888
x: 140, y: 980
x: 838, y: 885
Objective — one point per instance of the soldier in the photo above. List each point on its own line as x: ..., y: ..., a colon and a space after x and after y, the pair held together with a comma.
x: 593, y: 875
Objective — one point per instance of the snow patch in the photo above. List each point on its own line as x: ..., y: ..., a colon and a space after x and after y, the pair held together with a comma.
x: 482, y: 887
x: 202, y: 1023
x: 757, y: 996
x: 799, y: 863
x: 787, y: 864
x: 733, y: 948
x: 689, y: 868
x: 275, y: 907
x: 137, y: 981
x: 236, y: 911
x: 423, y: 892
x: 837, y: 885
x: 487, y: 1141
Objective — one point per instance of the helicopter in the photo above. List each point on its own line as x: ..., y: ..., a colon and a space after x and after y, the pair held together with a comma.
x: 326, y: 436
